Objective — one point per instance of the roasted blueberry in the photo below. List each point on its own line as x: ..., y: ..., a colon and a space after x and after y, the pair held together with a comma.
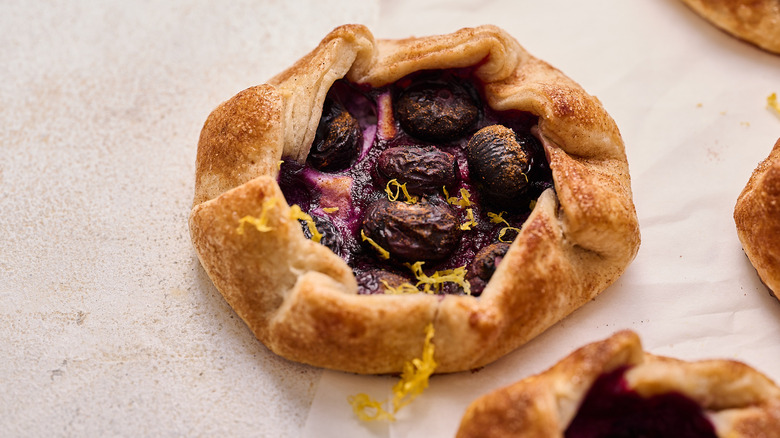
x: 423, y: 231
x: 375, y: 281
x: 500, y: 161
x: 484, y: 265
x: 422, y: 169
x: 331, y: 237
x: 338, y: 139
x: 436, y: 111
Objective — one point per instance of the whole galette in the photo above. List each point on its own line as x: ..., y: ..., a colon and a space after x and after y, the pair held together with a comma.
x: 380, y: 189
x: 613, y: 388
x: 757, y: 217
x: 755, y: 21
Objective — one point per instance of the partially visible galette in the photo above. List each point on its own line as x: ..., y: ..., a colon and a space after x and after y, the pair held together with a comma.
x: 757, y: 216
x: 613, y: 388
x: 755, y: 21
x: 380, y: 187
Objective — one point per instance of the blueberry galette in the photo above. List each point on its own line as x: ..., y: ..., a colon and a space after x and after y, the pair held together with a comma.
x: 755, y: 21
x: 757, y: 216
x: 613, y: 389
x: 379, y: 186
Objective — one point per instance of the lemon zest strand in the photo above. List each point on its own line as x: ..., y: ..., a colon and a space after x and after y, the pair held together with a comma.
x: 432, y: 284
x: 297, y: 213
x: 383, y: 253
x: 463, y: 201
x: 260, y: 223
x: 362, y: 404
x: 471, y: 222
x: 330, y: 209
x: 497, y: 218
x: 416, y: 373
x: 401, y: 289
x: 399, y: 188
x: 503, y: 232
x: 414, y: 380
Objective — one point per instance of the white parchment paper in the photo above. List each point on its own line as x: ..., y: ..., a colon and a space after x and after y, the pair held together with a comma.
x: 691, y: 105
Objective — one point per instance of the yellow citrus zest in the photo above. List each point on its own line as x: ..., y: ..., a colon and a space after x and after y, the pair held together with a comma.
x: 403, y: 288
x: 502, y: 232
x: 330, y: 210
x: 279, y: 164
x: 383, y: 253
x: 471, y: 222
x: 463, y: 201
x: 260, y: 223
x: 432, y: 284
x: 368, y: 409
x: 416, y: 373
x: 399, y: 188
x: 297, y: 213
x: 414, y: 380
x: 499, y: 219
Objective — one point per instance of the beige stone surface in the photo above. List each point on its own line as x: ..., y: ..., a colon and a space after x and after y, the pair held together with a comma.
x: 108, y: 324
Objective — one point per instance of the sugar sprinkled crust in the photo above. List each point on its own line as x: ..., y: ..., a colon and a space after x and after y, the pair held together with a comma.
x: 301, y: 300
x: 739, y: 401
x: 755, y: 21
x: 757, y: 217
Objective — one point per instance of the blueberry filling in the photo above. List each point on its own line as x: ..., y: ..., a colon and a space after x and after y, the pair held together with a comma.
x: 612, y: 410
x: 417, y: 188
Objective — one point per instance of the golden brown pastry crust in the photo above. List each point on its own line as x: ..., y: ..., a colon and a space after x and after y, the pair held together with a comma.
x: 755, y: 21
x: 757, y: 216
x: 738, y: 400
x: 301, y: 300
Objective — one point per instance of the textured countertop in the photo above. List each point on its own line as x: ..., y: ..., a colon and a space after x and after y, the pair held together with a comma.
x: 110, y: 327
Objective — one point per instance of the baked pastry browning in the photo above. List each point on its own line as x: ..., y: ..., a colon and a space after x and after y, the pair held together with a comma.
x: 613, y: 388
x: 301, y: 299
x: 755, y: 21
x: 757, y: 216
